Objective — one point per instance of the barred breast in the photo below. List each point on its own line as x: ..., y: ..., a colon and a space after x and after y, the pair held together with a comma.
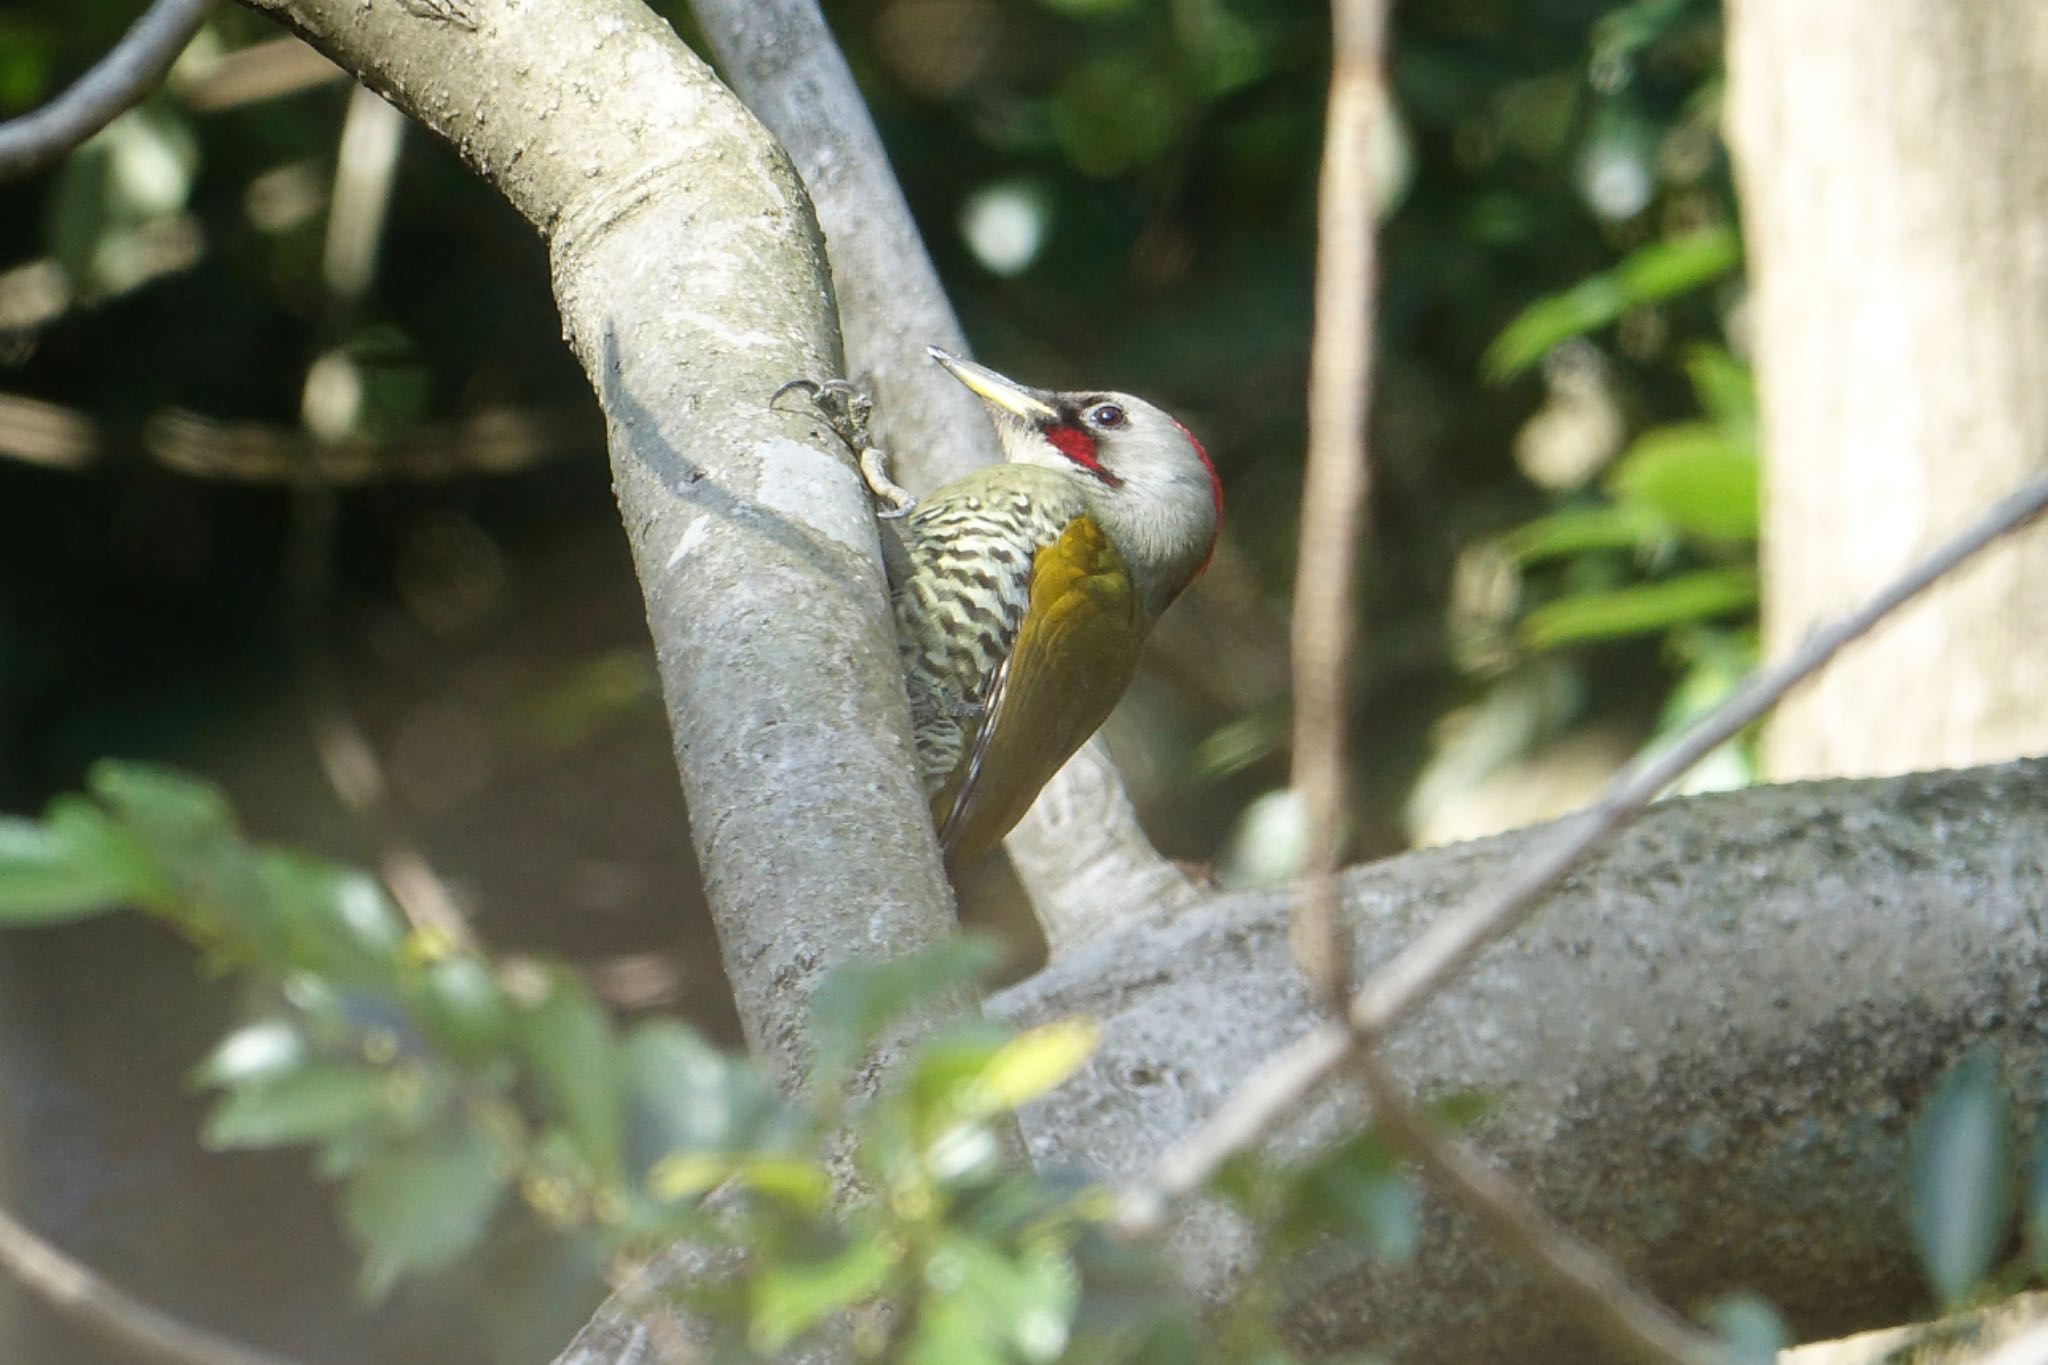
x: 969, y: 550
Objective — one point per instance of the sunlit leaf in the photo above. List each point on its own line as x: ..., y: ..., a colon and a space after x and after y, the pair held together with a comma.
x: 789, y: 1299
x: 1654, y: 272
x: 303, y: 1104
x: 423, y: 1205
x: 266, y: 1048
x: 987, y: 1304
x: 1639, y: 610
x: 1695, y: 477
x: 800, y: 1183
x: 1035, y: 1062
x: 1961, y: 1189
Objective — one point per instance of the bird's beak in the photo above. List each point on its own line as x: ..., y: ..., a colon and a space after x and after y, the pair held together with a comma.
x: 1005, y: 395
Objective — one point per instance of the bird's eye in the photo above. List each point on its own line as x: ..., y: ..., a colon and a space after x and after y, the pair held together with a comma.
x: 1107, y: 415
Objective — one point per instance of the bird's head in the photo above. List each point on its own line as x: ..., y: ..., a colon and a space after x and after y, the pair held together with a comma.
x: 1153, y: 482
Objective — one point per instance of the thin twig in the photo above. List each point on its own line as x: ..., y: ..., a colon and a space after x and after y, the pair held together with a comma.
x: 1592, y: 1289
x: 1273, y: 1092
x: 1337, y: 482
x: 42, y: 137
x: 81, y: 1294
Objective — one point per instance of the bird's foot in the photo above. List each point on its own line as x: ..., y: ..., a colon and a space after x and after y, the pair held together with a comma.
x: 848, y: 408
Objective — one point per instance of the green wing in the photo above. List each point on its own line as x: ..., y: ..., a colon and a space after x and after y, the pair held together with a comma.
x: 1073, y: 657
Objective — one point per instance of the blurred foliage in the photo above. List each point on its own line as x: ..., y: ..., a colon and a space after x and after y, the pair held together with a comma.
x: 448, y: 1096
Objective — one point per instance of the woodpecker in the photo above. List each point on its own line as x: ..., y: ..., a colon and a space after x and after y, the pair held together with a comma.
x: 1023, y: 591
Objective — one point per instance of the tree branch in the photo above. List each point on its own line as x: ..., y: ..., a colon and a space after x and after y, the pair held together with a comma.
x: 117, y: 83
x: 782, y: 59
x: 691, y: 284
x: 1598, y: 1295
x: 1703, y: 1059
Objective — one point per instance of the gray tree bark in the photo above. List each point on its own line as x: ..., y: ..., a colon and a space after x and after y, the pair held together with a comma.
x: 1896, y: 210
x: 692, y: 283
x: 1705, y: 1056
x: 1080, y: 851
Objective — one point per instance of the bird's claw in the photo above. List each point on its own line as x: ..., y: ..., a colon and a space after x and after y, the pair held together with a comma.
x: 874, y: 472
x: 847, y: 407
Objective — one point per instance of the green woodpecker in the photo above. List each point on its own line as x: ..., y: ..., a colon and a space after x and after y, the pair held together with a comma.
x: 1023, y: 591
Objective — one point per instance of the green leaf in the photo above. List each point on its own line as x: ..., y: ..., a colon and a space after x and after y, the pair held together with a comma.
x: 802, y: 1184
x: 1961, y: 1190
x: 855, y: 1004
x: 1695, y: 477
x: 304, y: 1104
x: 1360, y: 1189
x: 1577, y: 530
x: 330, y: 919
x: 1639, y: 610
x: 72, y: 866
x: 986, y: 1305
x: 1032, y: 1063
x: 1654, y: 272
x: 1725, y: 387
x: 462, y: 1005
x: 789, y: 1300
x: 568, y: 1040
x: 423, y: 1205
x: 159, y: 799
x: 683, y: 1095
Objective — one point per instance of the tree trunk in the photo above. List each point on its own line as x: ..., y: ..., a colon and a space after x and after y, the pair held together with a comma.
x: 1895, y: 201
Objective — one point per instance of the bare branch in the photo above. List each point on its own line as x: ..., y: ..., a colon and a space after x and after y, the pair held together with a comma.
x: 1279, y: 1087
x: 84, y: 1296
x: 1338, y: 480
x: 1596, y: 1293
x: 40, y: 139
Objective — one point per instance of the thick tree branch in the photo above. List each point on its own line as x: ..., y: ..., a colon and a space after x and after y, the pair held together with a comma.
x: 1704, y: 1056
x: 117, y: 83
x: 691, y: 284
x: 783, y: 61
